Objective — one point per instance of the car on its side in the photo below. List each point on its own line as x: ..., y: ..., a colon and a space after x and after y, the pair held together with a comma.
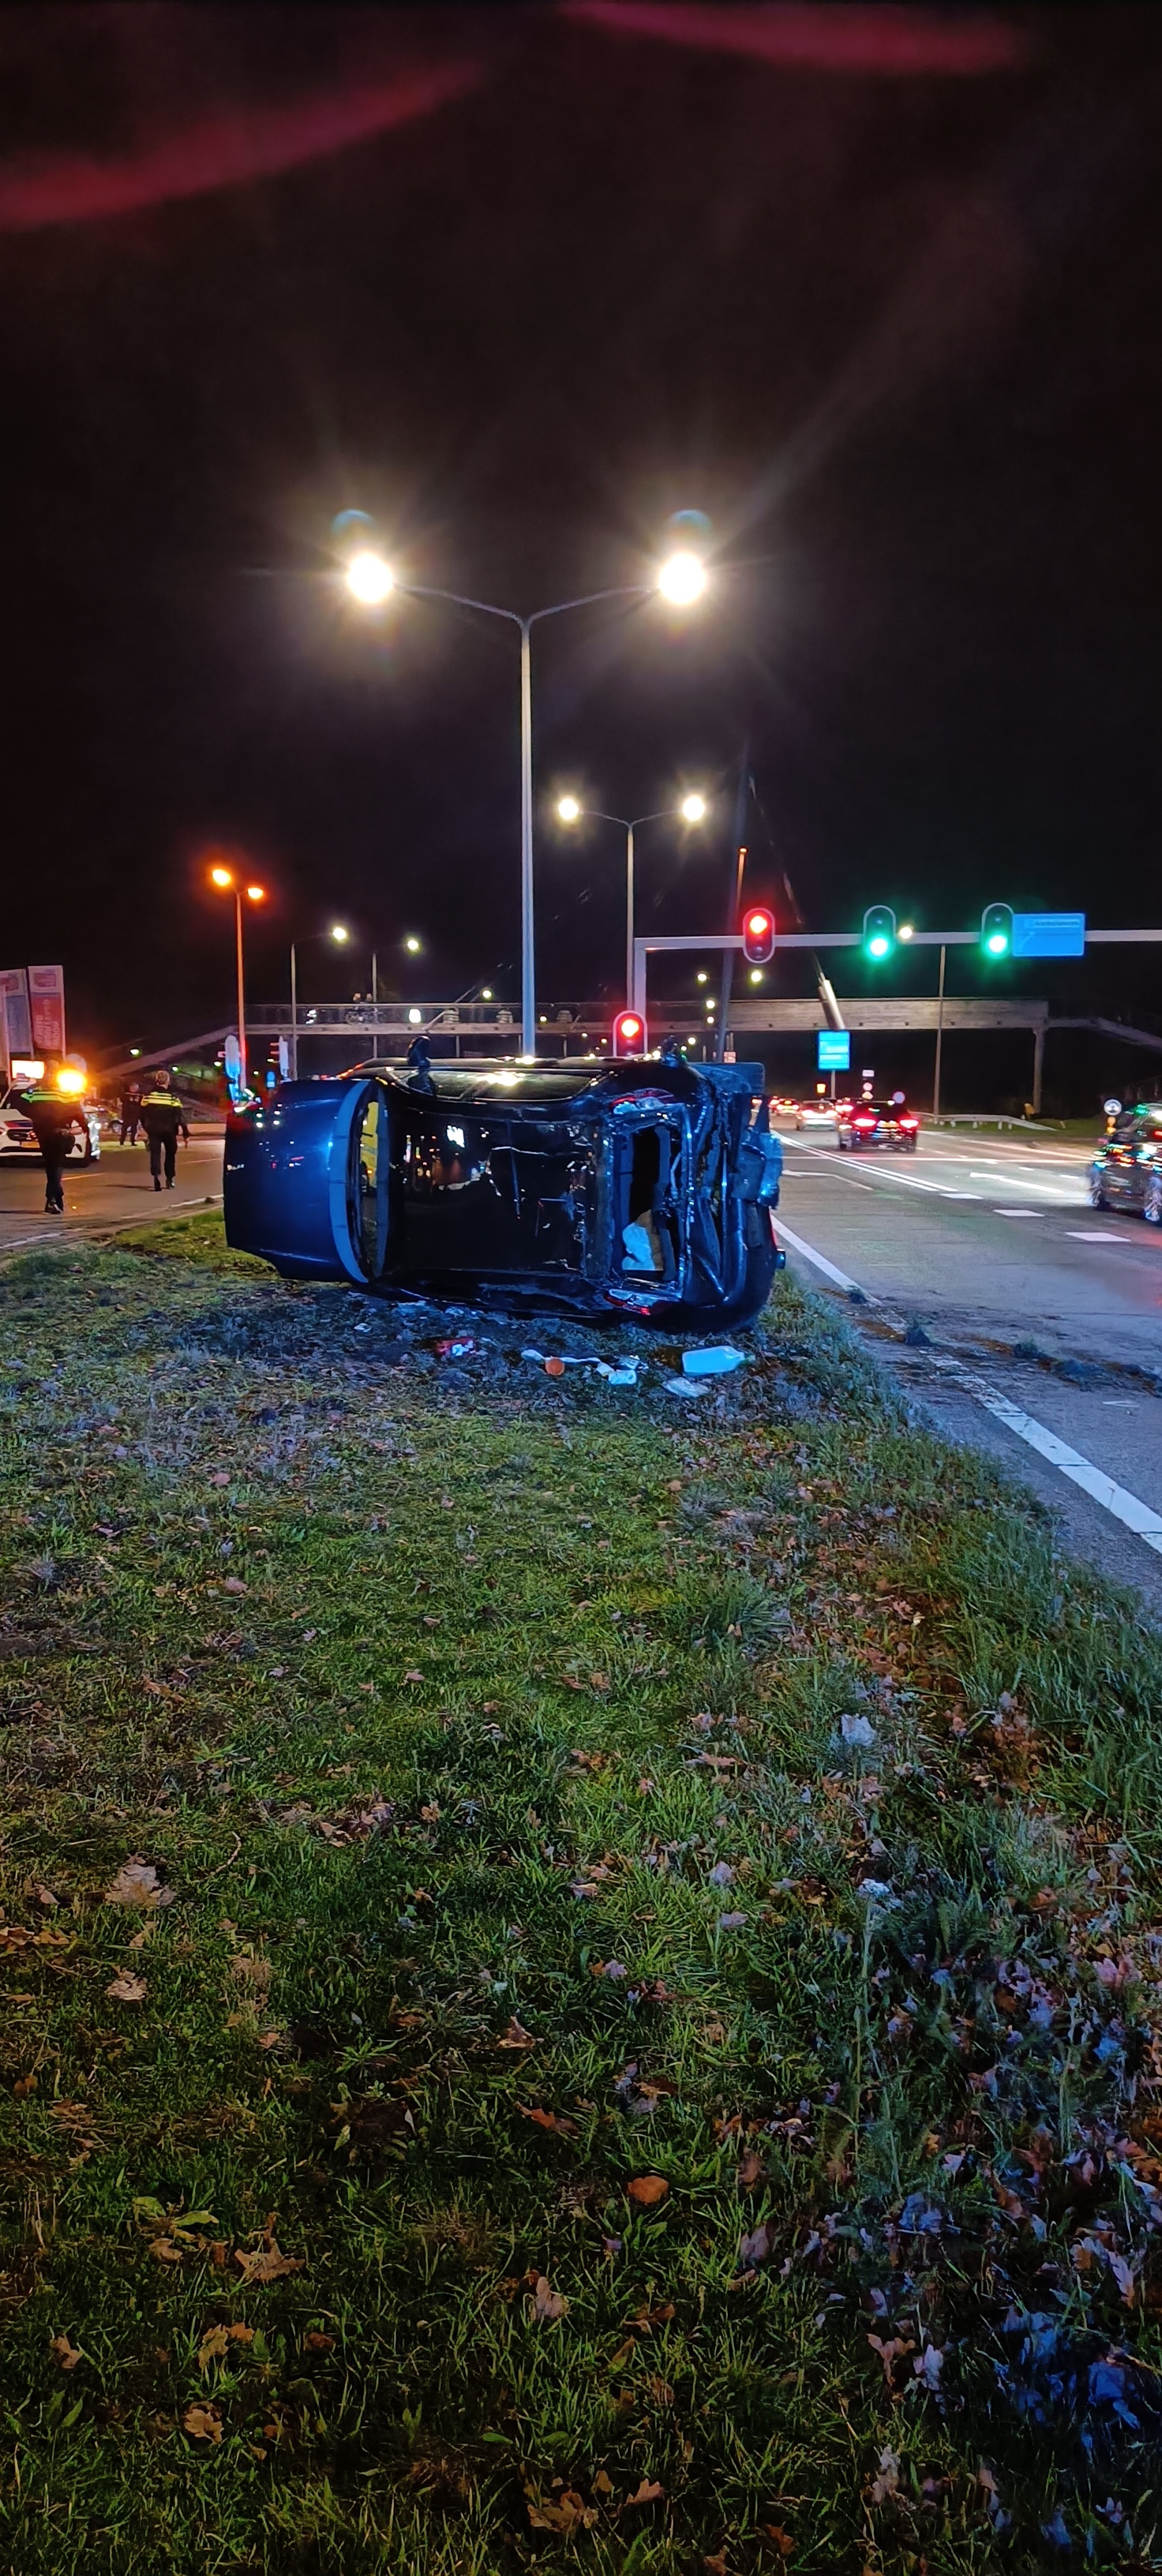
x: 1126, y: 1171
x: 18, y: 1135
x: 878, y: 1122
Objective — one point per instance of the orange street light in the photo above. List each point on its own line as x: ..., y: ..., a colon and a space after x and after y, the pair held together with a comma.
x: 224, y: 879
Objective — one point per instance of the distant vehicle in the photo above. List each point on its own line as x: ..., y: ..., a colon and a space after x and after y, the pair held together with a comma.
x: 1126, y: 1171
x: 18, y: 1136
x: 814, y: 1113
x: 642, y: 1188
x: 878, y: 1122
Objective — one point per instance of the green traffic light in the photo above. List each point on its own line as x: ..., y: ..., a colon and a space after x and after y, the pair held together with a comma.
x: 879, y: 932
x: 996, y: 929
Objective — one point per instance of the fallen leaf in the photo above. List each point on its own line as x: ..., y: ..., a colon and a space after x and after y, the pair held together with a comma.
x: 782, y: 2539
x: 44, y: 1896
x: 313, y: 2342
x: 548, y: 2305
x: 647, y: 2190
x: 137, y: 1883
x: 602, y: 2484
x: 24, y: 2085
x: 553, y: 2120
x: 757, y: 2248
x: 127, y: 1990
x: 164, y: 2250
x: 751, y: 2169
x: 203, y: 2423
x: 233, y: 1583
x: 413, y: 1676
x: 516, y: 2036
x: 68, y: 2354
x: 267, y: 2263
x: 886, y: 2483
x: 649, y: 2492
x: 217, y: 2340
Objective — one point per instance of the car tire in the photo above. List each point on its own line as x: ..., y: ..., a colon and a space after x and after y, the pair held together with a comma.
x: 910, y: 1147
x: 1097, y: 1196
x: 1152, y: 1203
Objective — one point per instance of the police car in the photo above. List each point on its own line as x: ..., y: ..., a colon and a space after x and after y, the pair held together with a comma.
x: 18, y: 1135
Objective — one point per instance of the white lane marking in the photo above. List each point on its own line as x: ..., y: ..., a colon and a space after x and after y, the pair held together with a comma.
x: 1018, y: 1211
x: 1074, y: 1234
x: 1134, y: 1515
x: 809, y: 1254
x: 1125, y: 1507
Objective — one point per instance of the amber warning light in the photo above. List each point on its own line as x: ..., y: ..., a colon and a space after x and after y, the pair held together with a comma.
x: 758, y: 934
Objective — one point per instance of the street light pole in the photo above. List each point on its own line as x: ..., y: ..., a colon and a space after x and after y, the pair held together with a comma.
x: 691, y: 810
x: 241, y: 987
x: 294, y: 1028
x: 681, y: 581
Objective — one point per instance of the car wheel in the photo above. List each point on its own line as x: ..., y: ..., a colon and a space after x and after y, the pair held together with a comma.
x: 1097, y: 1196
x: 1152, y: 1203
x: 910, y: 1147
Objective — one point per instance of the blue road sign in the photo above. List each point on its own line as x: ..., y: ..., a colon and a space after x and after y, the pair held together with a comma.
x: 1048, y: 934
x: 834, y: 1054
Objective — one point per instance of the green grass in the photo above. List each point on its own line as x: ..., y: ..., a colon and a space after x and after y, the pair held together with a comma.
x: 502, y: 1709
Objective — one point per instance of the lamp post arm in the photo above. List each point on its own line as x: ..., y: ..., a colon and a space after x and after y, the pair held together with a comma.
x: 590, y: 599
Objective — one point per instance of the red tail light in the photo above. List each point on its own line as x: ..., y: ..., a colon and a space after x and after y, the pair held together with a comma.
x: 864, y: 1122
x: 909, y: 1122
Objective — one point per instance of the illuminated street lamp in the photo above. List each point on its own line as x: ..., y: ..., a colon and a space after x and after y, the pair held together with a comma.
x: 569, y: 810
x: 225, y: 880
x: 339, y: 932
x: 371, y: 580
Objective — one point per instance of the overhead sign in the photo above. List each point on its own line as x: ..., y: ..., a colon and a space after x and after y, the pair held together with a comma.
x: 1048, y: 934
x: 834, y: 1050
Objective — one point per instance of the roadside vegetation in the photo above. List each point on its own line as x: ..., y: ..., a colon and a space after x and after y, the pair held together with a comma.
x: 582, y: 1969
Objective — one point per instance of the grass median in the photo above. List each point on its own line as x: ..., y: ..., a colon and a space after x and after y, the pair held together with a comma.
x: 581, y: 1968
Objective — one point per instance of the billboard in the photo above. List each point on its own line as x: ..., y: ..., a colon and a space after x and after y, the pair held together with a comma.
x: 15, y: 1023
x: 834, y: 1051
x: 46, y: 992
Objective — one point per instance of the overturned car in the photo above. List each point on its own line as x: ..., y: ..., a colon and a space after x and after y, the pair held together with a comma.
x: 640, y: 1188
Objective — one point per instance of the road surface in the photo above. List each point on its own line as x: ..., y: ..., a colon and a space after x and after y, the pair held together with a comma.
x: 988, y: 1242
x: 116, y: 1191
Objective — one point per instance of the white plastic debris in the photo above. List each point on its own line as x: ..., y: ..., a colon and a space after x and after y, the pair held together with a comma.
x: 857, y: 1730
x: 686, y: 1385
x: 716, y: 1360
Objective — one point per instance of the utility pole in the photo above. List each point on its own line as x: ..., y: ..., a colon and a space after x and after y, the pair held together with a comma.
x: 939, y: 1036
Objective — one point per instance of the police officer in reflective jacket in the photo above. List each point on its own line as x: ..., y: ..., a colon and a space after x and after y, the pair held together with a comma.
x: 51, y: 1116
x: 162, y: 1115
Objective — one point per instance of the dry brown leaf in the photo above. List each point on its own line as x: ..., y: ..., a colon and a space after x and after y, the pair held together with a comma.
x: 313, y: 2342
x: 548, y: 2305
x: 127, y: 1989
x: 44, y: 1896
x: 413, y: 1676
x: 267, y: 2263
x: 602, y: 2484
x: 516, y: 2036
x: 216, y: 2342
x: 24, y: 2085
x: 560, y: 2127
x: 68, y: 2354
x: 164, y: 2250
x: 649, y: 2492
x: 137, y: 1883
x: 647, y: 2190
x: 203, y: 2422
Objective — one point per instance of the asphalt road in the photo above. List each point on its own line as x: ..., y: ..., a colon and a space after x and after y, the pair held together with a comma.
x: 989, y: 1242
x: 116, y: 1191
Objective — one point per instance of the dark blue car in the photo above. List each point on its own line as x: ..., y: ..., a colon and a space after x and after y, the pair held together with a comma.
x: 640, y: 1188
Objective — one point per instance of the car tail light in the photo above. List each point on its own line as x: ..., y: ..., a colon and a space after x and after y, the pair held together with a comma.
x: 863, y: 1122
x: 909, y: 1123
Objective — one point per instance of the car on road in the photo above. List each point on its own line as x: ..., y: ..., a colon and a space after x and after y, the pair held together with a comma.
x: 814, y: 1113
x: 1126, y: 1171
x: 878, y: 1122
x: 18, y: 1136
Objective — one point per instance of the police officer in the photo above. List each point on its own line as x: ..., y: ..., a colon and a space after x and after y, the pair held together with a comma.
x: 130, y: 1113
x: 50, y: 1114
x: 162, y: 1115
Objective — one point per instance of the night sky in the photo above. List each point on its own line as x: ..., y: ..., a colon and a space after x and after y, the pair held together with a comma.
x: 876, y: 290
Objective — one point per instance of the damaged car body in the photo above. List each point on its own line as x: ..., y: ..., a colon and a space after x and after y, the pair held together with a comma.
x: 640, y: 1188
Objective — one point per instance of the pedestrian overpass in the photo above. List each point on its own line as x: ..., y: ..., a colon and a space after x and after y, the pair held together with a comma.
x: 490, y: 1028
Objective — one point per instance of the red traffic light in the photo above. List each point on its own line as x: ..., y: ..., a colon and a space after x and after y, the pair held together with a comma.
x: 629, y: 1033
x: 758, y: 934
